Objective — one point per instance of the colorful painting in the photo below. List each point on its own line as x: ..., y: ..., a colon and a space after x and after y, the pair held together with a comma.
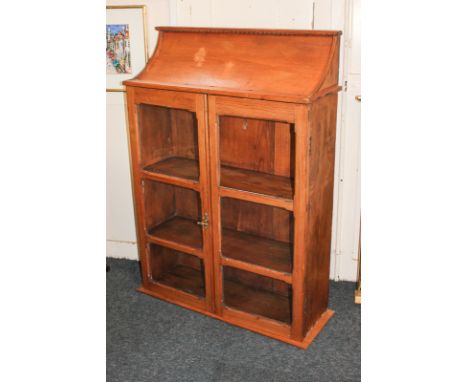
x: 118, y: 49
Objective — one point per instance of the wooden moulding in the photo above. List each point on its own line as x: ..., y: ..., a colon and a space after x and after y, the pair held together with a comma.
x: 229, y: 62
x: 237, y: 318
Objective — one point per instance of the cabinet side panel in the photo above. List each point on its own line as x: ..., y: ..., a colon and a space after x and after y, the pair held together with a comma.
x: 247, y: 143
x: 256, y: 219
x: 159, y: 203
x: 161, y: 260
x: 284, y: 149
x: 154, y: 134
x: 184, y: 134
x: 319, y: 208
x: 187, y: 203
x: 332, y: 74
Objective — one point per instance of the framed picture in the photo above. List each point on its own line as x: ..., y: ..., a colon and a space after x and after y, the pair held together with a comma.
x: 126, y: 44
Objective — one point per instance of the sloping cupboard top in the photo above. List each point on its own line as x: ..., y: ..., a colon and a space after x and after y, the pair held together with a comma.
x: 281, y: 65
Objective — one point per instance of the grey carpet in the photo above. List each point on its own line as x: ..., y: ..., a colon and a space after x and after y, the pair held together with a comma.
x: 151, y: 340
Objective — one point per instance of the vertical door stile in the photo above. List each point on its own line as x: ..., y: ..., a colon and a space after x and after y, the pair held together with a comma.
x: 137, y: 184
x: 204, y: 182
x: 215, y: 166
x: 300, y: 219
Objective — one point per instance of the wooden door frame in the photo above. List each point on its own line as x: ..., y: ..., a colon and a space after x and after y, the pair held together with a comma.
x: 269, y: 110
x: 195, y: 103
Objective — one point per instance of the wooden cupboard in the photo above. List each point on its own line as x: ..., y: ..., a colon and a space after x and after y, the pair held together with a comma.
x: 232, y: 137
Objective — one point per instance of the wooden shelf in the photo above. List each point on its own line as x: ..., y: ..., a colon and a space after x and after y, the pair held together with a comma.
x: 176, y: 167
x: 266, y: 304
x: 184, y: 278
x: 178, y: 233
x: 257, y: 182
x: 235, y: 182
x: 178, y: 171
x: 256, y: 254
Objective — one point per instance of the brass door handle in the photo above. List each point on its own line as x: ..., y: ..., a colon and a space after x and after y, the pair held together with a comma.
x: 204, y: 222
x: 358, y: 98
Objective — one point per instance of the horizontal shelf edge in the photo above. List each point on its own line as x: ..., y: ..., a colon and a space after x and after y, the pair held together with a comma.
x: 198, y: 252
x: 186, y: 183
x: 249, y: 196
x: 257, y: 269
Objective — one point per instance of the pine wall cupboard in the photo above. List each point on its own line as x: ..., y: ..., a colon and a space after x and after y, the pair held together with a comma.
x: 232, y: 136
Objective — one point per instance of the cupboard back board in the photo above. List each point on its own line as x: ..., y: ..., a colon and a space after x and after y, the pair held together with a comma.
x: 232, y: 137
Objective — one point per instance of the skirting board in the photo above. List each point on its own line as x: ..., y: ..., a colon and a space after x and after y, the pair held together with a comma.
x: 128, y: 250
x: 304, y: 344
x: 121, y: 250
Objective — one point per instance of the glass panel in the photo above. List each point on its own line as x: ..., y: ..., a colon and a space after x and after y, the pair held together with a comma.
x: 169, y: 142
x: 172, y: 213
x: 177, y: 270
x: 257, y: 234
x: 257, y: 155
x: 257, y: 294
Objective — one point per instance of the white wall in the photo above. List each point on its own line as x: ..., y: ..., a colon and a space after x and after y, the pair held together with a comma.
x: 297, y: 14
x: 121, y: 234
x: 290, y: 14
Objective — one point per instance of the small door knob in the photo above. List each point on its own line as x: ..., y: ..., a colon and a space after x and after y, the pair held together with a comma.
x: 204, y: 222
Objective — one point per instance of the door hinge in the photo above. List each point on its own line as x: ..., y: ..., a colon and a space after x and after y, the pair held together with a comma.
x: 345, y: 87
x: 204, y: 222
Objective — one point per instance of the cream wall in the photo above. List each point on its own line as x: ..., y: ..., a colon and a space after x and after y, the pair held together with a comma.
x: 121, y: 235
x: 297, y: 14
x: 348, y: 171
x: 291, y: 14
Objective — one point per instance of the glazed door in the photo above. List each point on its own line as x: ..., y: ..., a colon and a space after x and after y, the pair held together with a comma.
x: 253, y: 154
x: 170, y: 176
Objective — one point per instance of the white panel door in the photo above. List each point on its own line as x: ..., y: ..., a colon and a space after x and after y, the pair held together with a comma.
x: 348, y: 177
